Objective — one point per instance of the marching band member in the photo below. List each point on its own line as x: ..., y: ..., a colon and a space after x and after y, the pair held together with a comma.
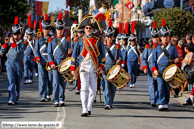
x: 16, y: 48
x: 109, y: 89
x: 119, y: 36
x: 57, y: 48
x: 133, y: 54
x: 29, y: 53
x: 91, y: 61
x: 160, y: 63
x: 124, y: 43
x: 41, y: 43
x: 146, y: 63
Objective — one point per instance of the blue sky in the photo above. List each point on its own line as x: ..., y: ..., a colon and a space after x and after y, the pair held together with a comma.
x: 54, y: 4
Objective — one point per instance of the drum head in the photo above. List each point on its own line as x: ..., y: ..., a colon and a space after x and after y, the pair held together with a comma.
x: 66, y: 65
x: 170, y: 72
x: 114, y: 72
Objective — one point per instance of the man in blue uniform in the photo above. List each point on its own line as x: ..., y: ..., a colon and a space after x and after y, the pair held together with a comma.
x: 15, y: 48
x: 90, y: 61
x: 109, y: 89
x: 146, y: 63
x: 56, y: 54
x: 160, y: 63
x: 41, y: 43
x: 29, y: 53
x: 133, y: 54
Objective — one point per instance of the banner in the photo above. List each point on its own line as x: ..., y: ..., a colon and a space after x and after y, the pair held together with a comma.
x: 41, y: 8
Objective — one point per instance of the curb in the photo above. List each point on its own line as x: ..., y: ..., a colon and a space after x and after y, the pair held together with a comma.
x: 185, y: 94
x: 3, y: 73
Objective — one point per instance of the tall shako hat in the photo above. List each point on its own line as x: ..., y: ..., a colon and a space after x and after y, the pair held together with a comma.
x: 119, y: 36
x: 132, y: 35
x: 109, y: 31
x: 59, y: 23
x: 165, y: 30
x: 126, y: 31
x: 154, y: 31
x: 16, y: 28
x: 30, y: 29
x: 46, y: 22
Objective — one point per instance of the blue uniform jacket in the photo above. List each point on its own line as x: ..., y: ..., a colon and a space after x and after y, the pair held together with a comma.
x: 162, y: 64
x: 97, y: 42
x: 15, y: 50
x: 55, y: 55
x: 29, y: 52
x: 124, y: 54
x: 131, y: 56
x: 41, y: 53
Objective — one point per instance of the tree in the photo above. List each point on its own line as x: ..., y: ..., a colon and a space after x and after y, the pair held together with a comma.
x: 11, y: 8
x: 180, y: 22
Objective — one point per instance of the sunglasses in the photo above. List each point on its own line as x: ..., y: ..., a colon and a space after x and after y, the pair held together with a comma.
x: 89, y: 28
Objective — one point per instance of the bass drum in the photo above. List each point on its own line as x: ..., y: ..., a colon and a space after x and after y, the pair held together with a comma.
x: 118, y: 77
x: 174, y: 76
x: 64, y: 69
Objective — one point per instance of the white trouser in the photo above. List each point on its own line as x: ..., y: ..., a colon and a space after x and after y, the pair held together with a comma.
x: 88, y: 89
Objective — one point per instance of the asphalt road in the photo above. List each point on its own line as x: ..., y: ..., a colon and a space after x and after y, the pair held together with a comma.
x: 131, y: 110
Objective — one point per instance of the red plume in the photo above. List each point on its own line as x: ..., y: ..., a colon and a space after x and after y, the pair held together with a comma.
x: 133, y: 27
x: 126, y: 27
x: 100, y: 17
x: 120, y: 27
x: 60, y: 16
x: 16, y: 21
x: 75, y: 22
x: 46, y: 17
x: 40, y: 26
x: 110, y: 23
x: 163, y: 22
x: 154, y: 25
x: 34, y: 25
x: 29, y: 21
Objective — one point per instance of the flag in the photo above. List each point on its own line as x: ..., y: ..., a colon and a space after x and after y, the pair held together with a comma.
x: 92, y: 6
x: 41, y: 8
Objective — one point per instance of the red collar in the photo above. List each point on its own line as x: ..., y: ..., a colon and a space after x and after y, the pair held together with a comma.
x: 109, y: 45
x: 124, y: 45
x: 165, y: 44
x: 60, y: 36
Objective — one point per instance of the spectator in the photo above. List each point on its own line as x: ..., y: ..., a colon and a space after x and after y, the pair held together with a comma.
x: 189, y: 41
x: 189, y: 60
x: 189, y: 100
x: 193, y: 38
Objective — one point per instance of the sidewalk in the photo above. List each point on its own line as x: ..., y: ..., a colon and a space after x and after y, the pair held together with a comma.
x: 3, y: 73
x: 185, y: 94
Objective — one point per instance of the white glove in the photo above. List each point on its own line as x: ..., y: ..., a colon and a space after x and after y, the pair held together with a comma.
x: 123, y: 65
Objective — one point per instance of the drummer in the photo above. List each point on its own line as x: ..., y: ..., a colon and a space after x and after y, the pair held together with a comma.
x: 160, y: 63
x: 146, y: 63
x: 56, y: 54
x: 109, y: 89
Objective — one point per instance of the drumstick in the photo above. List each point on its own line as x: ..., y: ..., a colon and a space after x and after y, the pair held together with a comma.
x: 174, y: 59
x: 33, y: 57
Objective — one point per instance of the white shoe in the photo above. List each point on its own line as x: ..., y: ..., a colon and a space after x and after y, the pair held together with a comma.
x: 133, y: 85
x: 26, y: 82
x: 165, y: 106
x: 36, y: 74
x: 30, y: 81
x: 161, y: 107
x: 61, y: 101
x: 11, y: 103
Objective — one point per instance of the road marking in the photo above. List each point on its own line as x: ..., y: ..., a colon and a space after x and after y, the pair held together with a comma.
x: 61, y: 114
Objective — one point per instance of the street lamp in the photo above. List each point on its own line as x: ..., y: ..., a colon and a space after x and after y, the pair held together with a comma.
x: 138, y: 10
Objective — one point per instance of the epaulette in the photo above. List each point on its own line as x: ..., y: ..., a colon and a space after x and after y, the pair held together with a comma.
x: 36, y: 38
x: 154, y: 46
x: 117, y: 46
x: 147, y: 46
x: 50, y: 39
x: 68, y: 39
x: 26, y: 43
x: 76, y: 39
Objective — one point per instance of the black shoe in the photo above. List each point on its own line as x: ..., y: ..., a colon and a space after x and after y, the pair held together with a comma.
x: 110, y: 106
x: 84, y: 115
x: 16, y: 102
x: 49, y: 99
x: 44, y: 100
x: 153, y: 104
x: 10, y: 103
x: 61, y: 104
x: 95, y: 101
x: 89, y: 112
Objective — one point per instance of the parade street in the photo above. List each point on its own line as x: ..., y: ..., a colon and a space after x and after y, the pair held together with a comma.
x: 131, y: 109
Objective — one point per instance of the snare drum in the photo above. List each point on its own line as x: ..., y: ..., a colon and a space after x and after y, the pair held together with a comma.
x: 48, y: 68
x: 64, y: 69
x: 174, y: 76
x: 118, y: 77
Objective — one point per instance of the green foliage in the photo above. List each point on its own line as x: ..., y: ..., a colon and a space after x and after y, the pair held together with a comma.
x: 140, y: 26
x: 180, y: 22
x: 12, y: 8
